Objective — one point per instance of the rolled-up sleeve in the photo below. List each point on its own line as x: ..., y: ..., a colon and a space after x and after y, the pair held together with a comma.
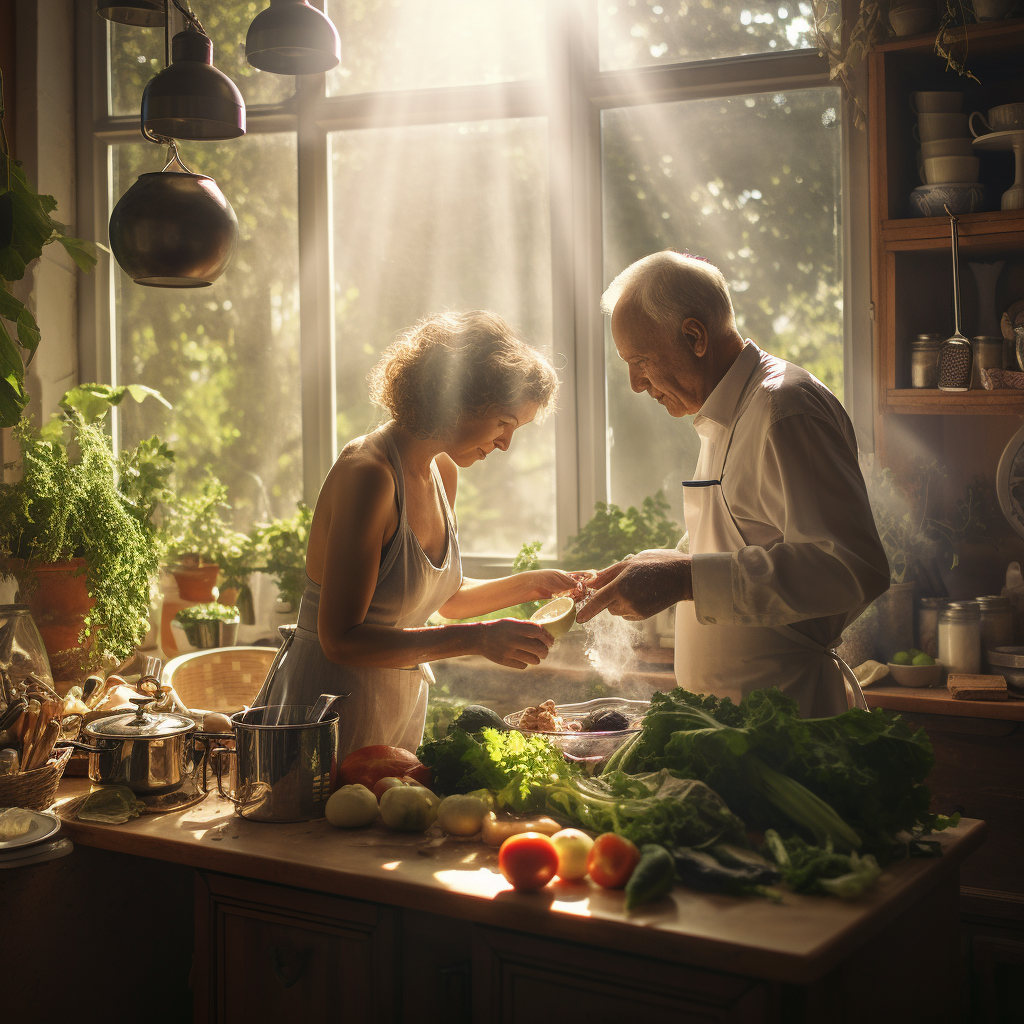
x: 829, y: 560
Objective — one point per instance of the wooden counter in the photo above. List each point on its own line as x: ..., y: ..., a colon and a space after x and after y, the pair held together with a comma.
x: 803, y: 945
x: 937, y: 701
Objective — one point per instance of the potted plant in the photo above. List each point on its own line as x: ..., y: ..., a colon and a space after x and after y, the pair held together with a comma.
x: 209, y: 625
x: 279, y: 549
x: 76, y: 530
x: 199, y: 541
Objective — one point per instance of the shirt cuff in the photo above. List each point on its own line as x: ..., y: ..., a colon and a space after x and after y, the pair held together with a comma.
x: 712, y: 588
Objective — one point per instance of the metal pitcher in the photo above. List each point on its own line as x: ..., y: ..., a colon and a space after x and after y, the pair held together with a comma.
x: 285, y: 770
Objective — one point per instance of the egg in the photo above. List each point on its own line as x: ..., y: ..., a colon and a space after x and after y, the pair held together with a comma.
x: 216, y: 722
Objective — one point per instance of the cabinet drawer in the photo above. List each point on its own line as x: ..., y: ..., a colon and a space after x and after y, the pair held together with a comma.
x: 522, y: 980
x: 268, y: 952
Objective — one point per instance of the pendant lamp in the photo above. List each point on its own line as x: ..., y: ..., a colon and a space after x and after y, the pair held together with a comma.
x: 173, y: 229
x: 145, y: 13
x: 292, y: 38
x: 190, y: 98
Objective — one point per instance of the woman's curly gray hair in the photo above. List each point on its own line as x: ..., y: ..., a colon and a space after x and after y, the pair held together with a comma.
x: 449, y: 365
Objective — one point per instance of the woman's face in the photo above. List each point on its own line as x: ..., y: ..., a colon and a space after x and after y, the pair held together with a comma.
x: 477, y: 436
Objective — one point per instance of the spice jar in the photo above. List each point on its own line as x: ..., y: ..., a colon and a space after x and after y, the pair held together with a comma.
x: 956, y: 361
x: 924, y: 361
x: 960, y: 637
x: 996, y: 624
x: 928, y: 613
x: 988, y: 354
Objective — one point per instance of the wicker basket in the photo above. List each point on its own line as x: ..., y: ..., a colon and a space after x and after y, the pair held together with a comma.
x: 36, y: 789
x: 224, y: 679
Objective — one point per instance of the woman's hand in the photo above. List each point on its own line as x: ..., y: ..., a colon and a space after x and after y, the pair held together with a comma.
x: 540, y: 584
x: 641, y: 586
x: 513, y: 643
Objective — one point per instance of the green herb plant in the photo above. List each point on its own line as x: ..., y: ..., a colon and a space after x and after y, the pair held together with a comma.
x: 612, y: 533
x: 75, y: 500
x: 25, y: 228
x: 279, y: 549
x: 196, y: 532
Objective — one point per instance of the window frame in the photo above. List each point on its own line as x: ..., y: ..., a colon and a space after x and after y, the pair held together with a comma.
x: 572, y: 99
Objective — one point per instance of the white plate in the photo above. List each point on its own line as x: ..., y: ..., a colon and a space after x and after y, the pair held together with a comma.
x: 44, y: 826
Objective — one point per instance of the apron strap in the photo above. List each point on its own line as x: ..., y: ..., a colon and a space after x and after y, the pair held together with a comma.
x: 854, y: 693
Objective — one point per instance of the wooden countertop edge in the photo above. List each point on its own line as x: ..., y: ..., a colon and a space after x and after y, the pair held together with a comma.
x: 937, y: 702
x: 530, y: 912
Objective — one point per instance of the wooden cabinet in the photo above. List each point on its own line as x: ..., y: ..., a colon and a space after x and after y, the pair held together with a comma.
x: 268, y: 952
x: 911, y: 264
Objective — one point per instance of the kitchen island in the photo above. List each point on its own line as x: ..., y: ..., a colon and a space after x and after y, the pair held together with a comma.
x: 296, y: 921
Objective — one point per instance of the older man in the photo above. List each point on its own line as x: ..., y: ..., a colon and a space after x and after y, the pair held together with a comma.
x: 783, y: 550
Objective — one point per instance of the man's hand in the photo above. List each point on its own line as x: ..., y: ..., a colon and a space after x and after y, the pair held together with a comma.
x: 641, y: 586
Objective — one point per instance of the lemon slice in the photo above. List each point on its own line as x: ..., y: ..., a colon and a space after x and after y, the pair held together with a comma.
x: 557, y: 616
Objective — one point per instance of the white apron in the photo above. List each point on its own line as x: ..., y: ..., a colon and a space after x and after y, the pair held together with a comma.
x: 733, y: 661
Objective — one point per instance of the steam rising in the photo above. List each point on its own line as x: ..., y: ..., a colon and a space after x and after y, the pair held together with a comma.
x: 609, y: 646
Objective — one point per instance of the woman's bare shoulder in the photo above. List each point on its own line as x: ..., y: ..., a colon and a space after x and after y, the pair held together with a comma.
x: 362, y: 468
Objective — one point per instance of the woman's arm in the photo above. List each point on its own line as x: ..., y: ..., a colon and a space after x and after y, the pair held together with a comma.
x: 478, y: 597
x: 360, y: 494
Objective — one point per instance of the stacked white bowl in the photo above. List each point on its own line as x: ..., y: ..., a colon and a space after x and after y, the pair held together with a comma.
x: 947, y: 155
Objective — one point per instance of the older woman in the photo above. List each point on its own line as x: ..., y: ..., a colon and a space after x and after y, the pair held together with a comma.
x: 383, y: 552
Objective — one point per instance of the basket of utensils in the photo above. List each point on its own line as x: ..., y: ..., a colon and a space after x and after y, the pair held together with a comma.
x: 31, y: 723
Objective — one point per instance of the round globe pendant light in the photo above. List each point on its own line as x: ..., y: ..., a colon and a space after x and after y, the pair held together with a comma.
x: 173, y: 229
x: 190, y: 98
x: 145, y: 13
x: 292, y: 38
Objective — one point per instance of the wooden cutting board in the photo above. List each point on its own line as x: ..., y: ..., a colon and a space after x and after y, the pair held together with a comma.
x: 970, y: 687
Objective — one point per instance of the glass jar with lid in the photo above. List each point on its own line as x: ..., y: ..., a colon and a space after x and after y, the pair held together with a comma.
x: 988, y: 355
x: 960, y: 637
x: 996, y: 624
x: 924, y: 361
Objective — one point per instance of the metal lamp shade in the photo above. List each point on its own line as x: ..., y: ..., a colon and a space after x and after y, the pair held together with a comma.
x: 145, y: 13
x: 190, y: 98
x: 172, y: 230
x: 292, y: 38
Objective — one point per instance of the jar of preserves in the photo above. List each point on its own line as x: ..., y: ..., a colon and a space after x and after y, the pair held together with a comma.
x: 988, y: 355
x: 960, y: 637
x: 928, y: 613
x: 924, y: 361
x: 996, y: 624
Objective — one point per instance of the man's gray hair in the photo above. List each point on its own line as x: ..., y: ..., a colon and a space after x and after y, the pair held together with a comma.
x: 669, y: 287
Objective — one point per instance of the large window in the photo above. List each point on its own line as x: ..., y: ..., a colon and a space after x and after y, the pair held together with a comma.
x: 505, y: 154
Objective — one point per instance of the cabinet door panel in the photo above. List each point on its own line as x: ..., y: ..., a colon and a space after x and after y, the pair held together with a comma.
x: 268, y: 952
x: 522, y: 980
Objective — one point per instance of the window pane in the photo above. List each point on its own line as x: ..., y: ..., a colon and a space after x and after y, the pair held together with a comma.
x: 641, y: 33
x: 450, y: 216
x: 412, y: 44
x: 226, y: 357
x: 135, y: 55
x: 752, y: 183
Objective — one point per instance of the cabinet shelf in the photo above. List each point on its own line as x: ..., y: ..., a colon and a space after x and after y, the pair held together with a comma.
x: 932, y: 402
x: 983, y: 40
x: 993, y: 230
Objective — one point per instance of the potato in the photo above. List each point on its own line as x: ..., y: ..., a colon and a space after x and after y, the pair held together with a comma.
x: 351, y: 807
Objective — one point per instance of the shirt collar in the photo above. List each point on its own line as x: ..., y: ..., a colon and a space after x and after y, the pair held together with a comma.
x: 720, y: 405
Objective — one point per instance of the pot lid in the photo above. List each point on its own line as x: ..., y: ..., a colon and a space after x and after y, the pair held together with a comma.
x: 140, y: 723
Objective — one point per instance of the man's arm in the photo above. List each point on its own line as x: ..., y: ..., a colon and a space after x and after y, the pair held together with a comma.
x: 830, y: 560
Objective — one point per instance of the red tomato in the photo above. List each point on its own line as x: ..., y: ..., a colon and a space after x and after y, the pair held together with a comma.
x: 611, y: 860
x: 528, y: 860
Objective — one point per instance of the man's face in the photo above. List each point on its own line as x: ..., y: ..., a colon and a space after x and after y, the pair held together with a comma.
x: 660, y: 362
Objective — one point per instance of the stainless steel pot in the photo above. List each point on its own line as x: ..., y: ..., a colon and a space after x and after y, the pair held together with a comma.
x: 148, y: 752
x: 285, y: 770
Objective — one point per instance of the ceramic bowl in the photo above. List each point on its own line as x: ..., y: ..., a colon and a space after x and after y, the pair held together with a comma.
x: 960, y: 146
x: 936, y: 102
x: 916, y: 675
x: 931, y: 127
x: 992, y: 10
x: 940, y: 169
x: 911, y: 19
x: 961, y: 197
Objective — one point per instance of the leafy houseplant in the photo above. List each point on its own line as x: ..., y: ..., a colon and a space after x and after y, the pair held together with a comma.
x: 73, y: 510
x: 202, y: 624
x: 25, y: 227
x: 279, y: 549
x: 199, y: 542
x: 612, y: 533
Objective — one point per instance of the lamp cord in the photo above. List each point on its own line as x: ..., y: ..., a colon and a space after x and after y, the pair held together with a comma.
x: 189, y: 15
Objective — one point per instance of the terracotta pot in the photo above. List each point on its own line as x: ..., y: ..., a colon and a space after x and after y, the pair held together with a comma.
x: 59, y: 602
x: 196, y: 584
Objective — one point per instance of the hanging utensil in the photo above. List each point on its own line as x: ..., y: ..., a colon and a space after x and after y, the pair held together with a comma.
x: 324, y: 705
x: 956, y: 356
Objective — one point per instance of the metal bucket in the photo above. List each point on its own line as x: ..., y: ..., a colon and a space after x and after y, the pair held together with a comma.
x: 285, y: 770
